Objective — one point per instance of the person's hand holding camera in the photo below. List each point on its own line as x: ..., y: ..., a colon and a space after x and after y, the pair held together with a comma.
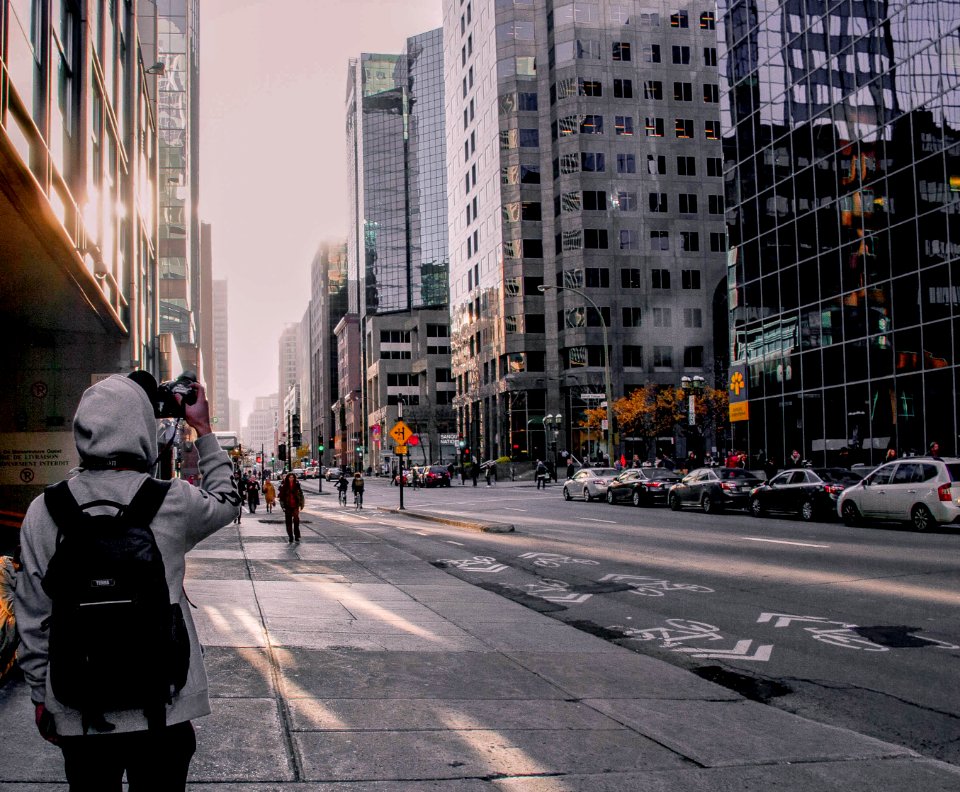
x: 198, y: 413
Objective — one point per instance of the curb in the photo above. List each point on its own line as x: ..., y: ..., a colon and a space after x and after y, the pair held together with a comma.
x: 482, y: 527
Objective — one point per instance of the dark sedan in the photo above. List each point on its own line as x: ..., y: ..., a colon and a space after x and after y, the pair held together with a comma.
x: 809, y: 493
x: 642, y: 486
x: 714, y: 489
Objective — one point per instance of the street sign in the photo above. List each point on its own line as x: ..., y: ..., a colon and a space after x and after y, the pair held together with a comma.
x: 591, y: 396
x: 400, y: 450
x: 400, y: 432
x: 448, y: 438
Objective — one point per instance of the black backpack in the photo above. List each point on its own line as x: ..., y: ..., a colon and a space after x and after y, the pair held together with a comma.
x: 116, y: 641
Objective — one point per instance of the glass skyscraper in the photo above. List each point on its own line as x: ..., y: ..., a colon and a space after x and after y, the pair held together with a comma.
x: 841, y: 140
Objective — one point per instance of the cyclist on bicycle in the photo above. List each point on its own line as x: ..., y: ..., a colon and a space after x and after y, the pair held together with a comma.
x: 342, y: 485
x: 358, y: 484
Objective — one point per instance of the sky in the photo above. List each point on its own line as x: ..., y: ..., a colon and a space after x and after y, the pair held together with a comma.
x: 273, y: 181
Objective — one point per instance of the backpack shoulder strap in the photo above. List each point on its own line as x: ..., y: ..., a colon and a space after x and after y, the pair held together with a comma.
x: 147, y: 502
x: 63, y: 507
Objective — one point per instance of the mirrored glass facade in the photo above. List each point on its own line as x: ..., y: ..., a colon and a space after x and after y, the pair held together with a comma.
x: 841, y: 140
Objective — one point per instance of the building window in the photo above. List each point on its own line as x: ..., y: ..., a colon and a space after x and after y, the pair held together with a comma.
x: 571, y: 240
x: 591, y: 162
x: 711, y: 129
x: 693, y: 357
x: 718, y: 241
x: 566, y: 164
x: 708, y: 21
x: 653, y: 127
x: 633, y: 357
x: 623, y: 125
x: 595, y: 200
x: 590, y: 88
x: 714, y: 166
x: 631, y: 317
x: 681, y: 54
x: 711, y: 93
x: 627, y: 201
x: 662, y: 317
x: 595, y: 238
x: 597, y: 278
x: 692, y: 317
x: 621, y: 51
x: 652, y: 53
x: 626, y: 163
x: 683, y: 91
x: 527, y: 101
x: 599, y: 318
x: 533, y: 248
x: 529, y: 174
x: 690, y: 241
x: 623, y: 89
x: 631, y: 278
x: 688, y: 203
x: 588, y: 50
x: 529, y: 138
x: 658, y: 202
x: 662, y: 357
x: 709, y: 56
x: 660, y: 279
x: 659, y: 240
x: 530, y: 210
x: 684, y: 128
x: 656, y: 165
x: 591, y: 125
x: 629, y: 239
x: 652, y: 89
x: 680, y: 19
x: 686, y: 166
x: 690, y: 279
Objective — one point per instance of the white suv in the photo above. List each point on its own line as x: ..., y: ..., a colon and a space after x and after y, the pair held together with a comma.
x: 920, y: 490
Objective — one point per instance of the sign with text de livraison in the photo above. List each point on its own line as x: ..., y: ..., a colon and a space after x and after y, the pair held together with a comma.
x: 36, y: 458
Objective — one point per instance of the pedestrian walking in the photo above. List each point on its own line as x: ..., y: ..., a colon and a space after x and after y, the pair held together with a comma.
x: 463, y: 474
x: 488, y: 472
x: 269, y: 494
x: 291, y: 501
x: 571, y: 468
x: 935, y: 450
x: 541, y: 475
x: 253, y: 495
x: 474, y: 470
x: 493, y: 471
x: 129, y: 677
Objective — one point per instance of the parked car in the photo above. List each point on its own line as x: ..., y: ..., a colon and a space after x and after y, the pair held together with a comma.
x: 714, y: 489
x: 920, y: 490
x: 808, y: 493
x: 642, y: 486
x: 333, y: 473
x: 589, y: 483
x: 435, y: 476
x: 407, y: 478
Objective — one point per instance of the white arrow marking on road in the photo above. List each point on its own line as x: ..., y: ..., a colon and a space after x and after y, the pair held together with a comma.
x: 459, y: 544
x: 574, y: 599
x: 784, y: 619
x: 593, y: 519
x: 739, y: 652
x: 510, y: 508
x: 781, y: 541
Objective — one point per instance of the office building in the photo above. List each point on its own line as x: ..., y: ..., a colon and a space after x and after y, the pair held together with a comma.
x: 397, y: 246
x: 78, y: 182
x: 585, y: 195
x: 221, y: 407
x: 842, y: 157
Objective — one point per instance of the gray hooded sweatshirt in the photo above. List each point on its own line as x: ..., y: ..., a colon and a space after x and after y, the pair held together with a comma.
x: 115, y: 420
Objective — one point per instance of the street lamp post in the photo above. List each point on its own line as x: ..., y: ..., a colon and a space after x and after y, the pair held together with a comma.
x: 606, y: 360
x: 554, y: 422
x: 693, y: 387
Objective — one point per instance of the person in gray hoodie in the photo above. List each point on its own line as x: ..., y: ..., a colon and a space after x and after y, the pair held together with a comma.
x: 116, y: 435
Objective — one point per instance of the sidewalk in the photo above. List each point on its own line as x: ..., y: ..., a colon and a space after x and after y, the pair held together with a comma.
x: 347, y: 664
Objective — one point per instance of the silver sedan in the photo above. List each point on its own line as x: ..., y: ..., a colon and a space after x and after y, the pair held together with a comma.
x: 589, y: 483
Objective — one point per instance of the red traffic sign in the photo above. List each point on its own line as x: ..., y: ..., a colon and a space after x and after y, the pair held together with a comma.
x: 413, y: 440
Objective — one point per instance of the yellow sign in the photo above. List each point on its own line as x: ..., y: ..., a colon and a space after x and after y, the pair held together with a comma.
x: 400, y: 450
x: 401, y: 432
x: 736, y: 383
x: 739, y: 411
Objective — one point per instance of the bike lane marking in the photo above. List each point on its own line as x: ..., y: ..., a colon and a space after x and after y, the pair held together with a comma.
x: 781, y: 541
x: 594, y: 519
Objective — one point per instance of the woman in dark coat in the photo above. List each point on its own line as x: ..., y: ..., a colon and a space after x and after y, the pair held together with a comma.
x: 291, y: 501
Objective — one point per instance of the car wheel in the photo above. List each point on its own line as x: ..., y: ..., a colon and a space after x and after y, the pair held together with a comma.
x: 756, y: 508
x: 807, y: 511
x: 674, y: 503
x: 708, y: 505
x: 609, y: 497
x: 637, y: 500
x: 566, y: 494
x: 921, y: 518
x: 586, y: 495
x: 850, y: 513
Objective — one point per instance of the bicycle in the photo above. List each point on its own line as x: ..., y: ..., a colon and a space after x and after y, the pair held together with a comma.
x: 358, y: 499
x: 342, y: 497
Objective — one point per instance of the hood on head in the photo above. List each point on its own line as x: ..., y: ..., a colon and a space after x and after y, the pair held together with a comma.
x: 115, y: 421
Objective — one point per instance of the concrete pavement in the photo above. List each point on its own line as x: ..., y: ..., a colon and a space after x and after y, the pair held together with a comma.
x: 346, y: 663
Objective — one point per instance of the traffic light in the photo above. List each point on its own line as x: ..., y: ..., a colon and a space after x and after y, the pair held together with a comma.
x: 282, y: 452
x: 259, y: 459
x: 359, y: 449
x: 466, y: 452
x: 295, y: 440
x: 320, y: 448
x: 295, y: 423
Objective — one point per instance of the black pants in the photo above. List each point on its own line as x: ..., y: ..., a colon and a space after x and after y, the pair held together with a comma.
x: 292, y: 517
x: 154, y: 761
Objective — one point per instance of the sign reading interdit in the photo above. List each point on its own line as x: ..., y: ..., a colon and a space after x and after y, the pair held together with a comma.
x: 37, y: 458
x: 737, y: 391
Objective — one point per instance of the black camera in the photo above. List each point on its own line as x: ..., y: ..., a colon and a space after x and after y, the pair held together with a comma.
x: 165, y: 404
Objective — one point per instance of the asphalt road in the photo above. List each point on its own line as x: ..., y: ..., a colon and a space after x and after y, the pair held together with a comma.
x: 855, y: 627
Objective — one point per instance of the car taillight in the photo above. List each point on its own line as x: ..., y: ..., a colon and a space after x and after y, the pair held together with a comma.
x: 944, y: 492
x: 833, y: 489
x: 654, y: 484
x: 727, y: 485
